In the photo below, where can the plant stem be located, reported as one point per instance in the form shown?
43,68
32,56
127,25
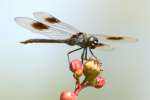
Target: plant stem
79,87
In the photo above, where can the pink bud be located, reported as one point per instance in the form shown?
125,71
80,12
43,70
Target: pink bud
67,95
76,65
100,82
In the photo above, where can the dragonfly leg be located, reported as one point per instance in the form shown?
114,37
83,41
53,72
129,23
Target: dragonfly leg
82,55
86,53
92,53
72,52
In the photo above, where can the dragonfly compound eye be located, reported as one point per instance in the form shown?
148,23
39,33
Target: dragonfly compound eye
92,42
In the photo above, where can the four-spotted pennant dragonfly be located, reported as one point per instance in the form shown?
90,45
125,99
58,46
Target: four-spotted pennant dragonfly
60,32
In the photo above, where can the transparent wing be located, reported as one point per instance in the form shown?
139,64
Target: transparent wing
52,21
115,38
105,47
39,27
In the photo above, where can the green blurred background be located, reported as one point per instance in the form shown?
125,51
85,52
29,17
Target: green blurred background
40,71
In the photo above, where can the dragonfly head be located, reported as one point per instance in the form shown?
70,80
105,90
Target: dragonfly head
92,42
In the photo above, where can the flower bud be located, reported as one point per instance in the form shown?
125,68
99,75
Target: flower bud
78,73
76,65
99,82
92,69
67,95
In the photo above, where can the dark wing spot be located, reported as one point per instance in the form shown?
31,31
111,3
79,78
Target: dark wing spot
115,38
52,20
39,26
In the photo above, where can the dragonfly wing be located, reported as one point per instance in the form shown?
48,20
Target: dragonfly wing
105,47
115,38
52,21
39,27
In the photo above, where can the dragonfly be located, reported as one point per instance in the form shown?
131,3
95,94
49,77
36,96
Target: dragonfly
58,31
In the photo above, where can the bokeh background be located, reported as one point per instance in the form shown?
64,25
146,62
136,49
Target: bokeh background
40,71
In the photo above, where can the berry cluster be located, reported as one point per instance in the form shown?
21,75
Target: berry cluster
91,69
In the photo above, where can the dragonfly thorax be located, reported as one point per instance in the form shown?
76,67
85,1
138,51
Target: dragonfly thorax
79,39
83,40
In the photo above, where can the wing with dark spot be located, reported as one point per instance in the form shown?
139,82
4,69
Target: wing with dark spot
39,27
52,21
114,38
32,25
